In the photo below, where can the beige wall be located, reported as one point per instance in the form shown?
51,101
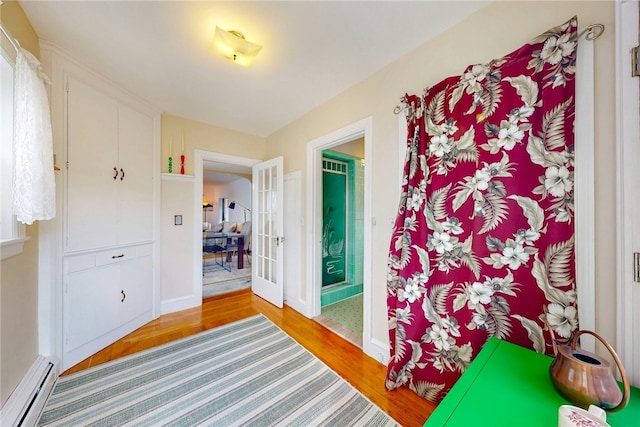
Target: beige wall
18,275
176,272
492,32
176,245
202,136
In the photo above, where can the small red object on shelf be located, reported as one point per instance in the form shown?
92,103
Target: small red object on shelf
182,164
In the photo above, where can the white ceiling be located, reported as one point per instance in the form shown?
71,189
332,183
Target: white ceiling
313,50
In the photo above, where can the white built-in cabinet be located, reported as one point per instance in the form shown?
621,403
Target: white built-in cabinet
104,291
109,171
107,142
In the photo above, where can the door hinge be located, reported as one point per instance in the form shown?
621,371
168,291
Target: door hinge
636,267
635,60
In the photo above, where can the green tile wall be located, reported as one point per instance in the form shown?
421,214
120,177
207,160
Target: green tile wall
338,293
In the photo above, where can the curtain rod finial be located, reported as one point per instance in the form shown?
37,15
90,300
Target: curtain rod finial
593,31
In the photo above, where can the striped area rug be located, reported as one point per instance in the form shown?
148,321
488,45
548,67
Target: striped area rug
244,373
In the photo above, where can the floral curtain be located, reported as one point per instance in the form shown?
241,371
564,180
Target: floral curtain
483,244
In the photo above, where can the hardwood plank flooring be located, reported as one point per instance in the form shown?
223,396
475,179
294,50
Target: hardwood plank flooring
347,360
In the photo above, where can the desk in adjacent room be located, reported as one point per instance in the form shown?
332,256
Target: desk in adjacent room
228,239
508,385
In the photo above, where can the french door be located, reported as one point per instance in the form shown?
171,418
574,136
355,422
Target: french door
267,272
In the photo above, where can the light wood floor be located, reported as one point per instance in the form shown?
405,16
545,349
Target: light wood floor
361,371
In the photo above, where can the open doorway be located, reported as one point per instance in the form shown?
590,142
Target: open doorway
224,190
339,281
226,217
341,292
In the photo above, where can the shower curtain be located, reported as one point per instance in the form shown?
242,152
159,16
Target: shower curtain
483,244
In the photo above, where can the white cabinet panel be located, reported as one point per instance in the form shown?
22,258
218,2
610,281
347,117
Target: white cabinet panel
92,135
135,146
92,305
135,283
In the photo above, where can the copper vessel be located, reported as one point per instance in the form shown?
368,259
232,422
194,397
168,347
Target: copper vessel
584,378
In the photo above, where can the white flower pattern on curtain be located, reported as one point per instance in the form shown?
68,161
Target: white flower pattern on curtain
483,244
34,196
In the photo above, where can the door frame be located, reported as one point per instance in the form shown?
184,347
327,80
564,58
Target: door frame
627,138
360,129
199,157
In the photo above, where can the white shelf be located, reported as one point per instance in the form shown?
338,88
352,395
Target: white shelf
176,177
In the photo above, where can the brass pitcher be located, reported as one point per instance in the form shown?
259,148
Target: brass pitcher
584,378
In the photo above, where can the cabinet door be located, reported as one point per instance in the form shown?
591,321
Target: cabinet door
92,134
135,148
91,305
136,287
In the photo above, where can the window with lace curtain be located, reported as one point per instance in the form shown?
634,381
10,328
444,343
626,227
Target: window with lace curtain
12,234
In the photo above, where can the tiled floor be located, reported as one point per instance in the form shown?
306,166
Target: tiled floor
344,318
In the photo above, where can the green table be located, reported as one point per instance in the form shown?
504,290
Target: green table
508,385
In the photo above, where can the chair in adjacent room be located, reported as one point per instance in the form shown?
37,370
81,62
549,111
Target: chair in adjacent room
218,248
245,231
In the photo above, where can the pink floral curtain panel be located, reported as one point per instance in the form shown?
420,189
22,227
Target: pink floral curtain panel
483,244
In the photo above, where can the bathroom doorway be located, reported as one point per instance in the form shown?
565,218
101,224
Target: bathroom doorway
341,296
340,144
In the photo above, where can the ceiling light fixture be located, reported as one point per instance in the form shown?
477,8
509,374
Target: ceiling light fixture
233,45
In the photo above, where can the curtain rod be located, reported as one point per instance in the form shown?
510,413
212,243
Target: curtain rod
9,37
592,31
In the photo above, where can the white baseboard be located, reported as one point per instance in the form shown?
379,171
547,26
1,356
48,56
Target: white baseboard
177,304
378,350
300,306
24,406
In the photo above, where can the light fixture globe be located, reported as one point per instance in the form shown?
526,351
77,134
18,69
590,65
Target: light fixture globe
232,45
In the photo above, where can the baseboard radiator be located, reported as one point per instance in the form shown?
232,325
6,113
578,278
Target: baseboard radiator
24,406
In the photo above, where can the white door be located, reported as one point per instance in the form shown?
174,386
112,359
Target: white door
628,135
267,278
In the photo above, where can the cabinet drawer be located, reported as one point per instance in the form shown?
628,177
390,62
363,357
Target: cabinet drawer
116,255
87,261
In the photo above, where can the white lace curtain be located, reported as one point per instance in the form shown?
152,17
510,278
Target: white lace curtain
33,182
